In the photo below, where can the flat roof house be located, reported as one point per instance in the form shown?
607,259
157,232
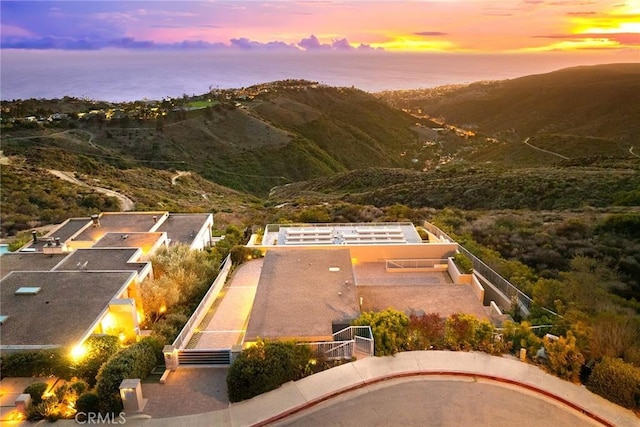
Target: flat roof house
317,278
82,277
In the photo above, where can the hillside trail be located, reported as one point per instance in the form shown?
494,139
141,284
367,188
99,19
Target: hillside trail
57,134
126,204
178,175
526,142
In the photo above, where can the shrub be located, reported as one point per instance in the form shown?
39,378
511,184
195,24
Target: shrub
564,357
47,409
36,390
266,366
616,381
44,363
136,361
520,335
464,264
426,332
460,331
88,403
99,349
240,254
390,330
168,328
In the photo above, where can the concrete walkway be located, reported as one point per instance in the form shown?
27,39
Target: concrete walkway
228,324
293,398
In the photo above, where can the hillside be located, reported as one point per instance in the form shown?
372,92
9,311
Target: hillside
467,186
580,102
283,132
51,200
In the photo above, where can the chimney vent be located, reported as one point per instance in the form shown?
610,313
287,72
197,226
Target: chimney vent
155,219
96,220
35,236
57,241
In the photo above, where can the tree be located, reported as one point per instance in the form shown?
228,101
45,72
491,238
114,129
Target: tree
390,330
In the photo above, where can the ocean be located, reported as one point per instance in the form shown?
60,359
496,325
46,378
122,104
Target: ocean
127,75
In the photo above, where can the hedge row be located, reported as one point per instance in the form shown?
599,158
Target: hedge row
43,363
136,361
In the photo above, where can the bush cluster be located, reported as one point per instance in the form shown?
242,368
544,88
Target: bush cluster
52,407
135,361
99,349
389,328
393,331
266,366
616,381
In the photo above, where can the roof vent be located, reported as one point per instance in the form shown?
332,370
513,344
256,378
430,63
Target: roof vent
28,290
95,218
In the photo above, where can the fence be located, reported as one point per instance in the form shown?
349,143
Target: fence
345,344
332,350
187,332
399,264
499,282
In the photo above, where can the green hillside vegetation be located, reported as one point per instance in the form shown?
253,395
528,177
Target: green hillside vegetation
289,131
467,186
599,101
51,200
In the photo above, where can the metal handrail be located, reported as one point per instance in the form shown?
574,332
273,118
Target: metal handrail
502,284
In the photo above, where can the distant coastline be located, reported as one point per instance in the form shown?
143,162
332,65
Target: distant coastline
121,75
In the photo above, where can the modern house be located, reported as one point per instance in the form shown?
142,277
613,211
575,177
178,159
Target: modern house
83,277
315,279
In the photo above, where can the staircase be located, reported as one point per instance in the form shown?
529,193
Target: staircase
189,357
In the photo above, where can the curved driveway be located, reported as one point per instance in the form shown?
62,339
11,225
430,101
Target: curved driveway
439,402
528,382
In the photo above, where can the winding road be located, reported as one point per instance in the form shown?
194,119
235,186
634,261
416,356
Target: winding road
526,141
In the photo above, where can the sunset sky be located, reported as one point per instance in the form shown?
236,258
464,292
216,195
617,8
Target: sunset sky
475,26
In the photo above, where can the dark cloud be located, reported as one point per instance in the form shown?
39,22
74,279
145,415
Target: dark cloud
430,33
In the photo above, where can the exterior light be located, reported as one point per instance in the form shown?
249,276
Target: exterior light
163,309
78,352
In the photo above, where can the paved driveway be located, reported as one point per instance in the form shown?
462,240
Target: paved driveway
188,391
446,402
